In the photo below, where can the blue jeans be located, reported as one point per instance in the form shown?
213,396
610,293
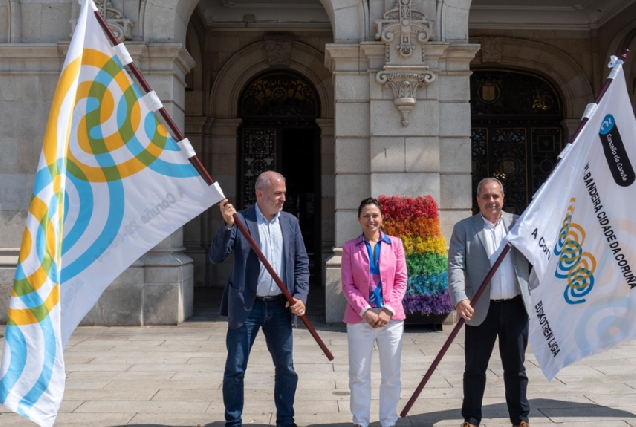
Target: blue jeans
275,320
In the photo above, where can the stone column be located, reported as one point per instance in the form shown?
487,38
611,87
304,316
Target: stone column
15,21
222,149
327,187
158,288
453,88
351,151
168,275
569,128
196,232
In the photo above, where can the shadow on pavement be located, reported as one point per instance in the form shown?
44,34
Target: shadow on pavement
547,407
499,410
214,424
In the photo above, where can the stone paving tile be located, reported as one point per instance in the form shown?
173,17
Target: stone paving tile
188,376
186,420
85,384
157,384
127,394
97,367
139,376
168,367
172,376
114,406
127,358
600,413
200,395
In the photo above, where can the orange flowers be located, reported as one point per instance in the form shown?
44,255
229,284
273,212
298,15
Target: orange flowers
423,227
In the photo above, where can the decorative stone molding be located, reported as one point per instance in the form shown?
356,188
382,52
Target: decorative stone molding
405,24
342,57
404,82
279,48
490,49
232,78
118,23
542,58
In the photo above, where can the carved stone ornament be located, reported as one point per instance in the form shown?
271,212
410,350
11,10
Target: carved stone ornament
279,48
490,49
405,24
404,81
118,23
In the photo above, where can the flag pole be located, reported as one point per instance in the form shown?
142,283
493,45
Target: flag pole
453,333
493,269
194,160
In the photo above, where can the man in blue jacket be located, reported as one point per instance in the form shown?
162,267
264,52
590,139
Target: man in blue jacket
252,300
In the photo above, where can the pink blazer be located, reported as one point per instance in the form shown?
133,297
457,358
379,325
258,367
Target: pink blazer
356,277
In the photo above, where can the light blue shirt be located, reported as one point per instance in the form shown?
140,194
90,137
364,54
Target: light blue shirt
271,244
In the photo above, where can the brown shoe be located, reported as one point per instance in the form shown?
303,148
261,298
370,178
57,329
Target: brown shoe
521,424
467,424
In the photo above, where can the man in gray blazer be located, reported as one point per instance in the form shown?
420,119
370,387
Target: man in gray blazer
252,300
502,310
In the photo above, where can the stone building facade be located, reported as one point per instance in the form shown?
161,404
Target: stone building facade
347,98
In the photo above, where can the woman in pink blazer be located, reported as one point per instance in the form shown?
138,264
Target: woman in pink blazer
374,282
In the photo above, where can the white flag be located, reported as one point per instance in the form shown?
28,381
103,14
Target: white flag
579,233
111,184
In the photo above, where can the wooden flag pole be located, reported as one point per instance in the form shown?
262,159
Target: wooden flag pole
491,273
194,160
281,285
453,333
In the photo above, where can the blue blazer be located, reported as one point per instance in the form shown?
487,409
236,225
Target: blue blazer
240,290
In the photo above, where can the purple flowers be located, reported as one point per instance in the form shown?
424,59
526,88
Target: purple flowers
428,303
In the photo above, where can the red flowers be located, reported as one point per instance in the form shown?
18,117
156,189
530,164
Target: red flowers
397,208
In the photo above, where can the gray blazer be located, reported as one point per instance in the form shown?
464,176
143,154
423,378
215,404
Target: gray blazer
240,290
468,265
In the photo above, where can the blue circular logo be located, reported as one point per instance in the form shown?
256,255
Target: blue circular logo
607,124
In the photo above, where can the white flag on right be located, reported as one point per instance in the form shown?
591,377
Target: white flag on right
579,233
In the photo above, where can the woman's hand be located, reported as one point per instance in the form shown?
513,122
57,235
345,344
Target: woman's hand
383,318
371,318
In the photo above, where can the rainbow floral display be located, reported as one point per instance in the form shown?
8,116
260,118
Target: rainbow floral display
416,222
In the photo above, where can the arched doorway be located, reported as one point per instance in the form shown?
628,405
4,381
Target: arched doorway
516,132
279,109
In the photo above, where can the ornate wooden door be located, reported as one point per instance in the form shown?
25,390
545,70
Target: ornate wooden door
516,133
279,132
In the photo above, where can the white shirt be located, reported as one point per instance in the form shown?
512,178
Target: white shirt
271,244
504,284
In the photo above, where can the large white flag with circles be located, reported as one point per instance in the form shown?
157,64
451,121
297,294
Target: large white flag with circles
579,233
110,185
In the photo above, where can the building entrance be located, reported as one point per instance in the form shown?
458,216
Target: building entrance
279,132
516,133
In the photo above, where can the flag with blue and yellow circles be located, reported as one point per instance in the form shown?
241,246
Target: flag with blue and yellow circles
111,184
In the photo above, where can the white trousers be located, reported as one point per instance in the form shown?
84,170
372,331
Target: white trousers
361,338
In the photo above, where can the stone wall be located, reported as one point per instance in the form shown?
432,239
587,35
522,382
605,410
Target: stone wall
157,289
402,119
617,34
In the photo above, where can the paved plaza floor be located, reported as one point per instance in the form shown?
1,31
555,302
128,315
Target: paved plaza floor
171,376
